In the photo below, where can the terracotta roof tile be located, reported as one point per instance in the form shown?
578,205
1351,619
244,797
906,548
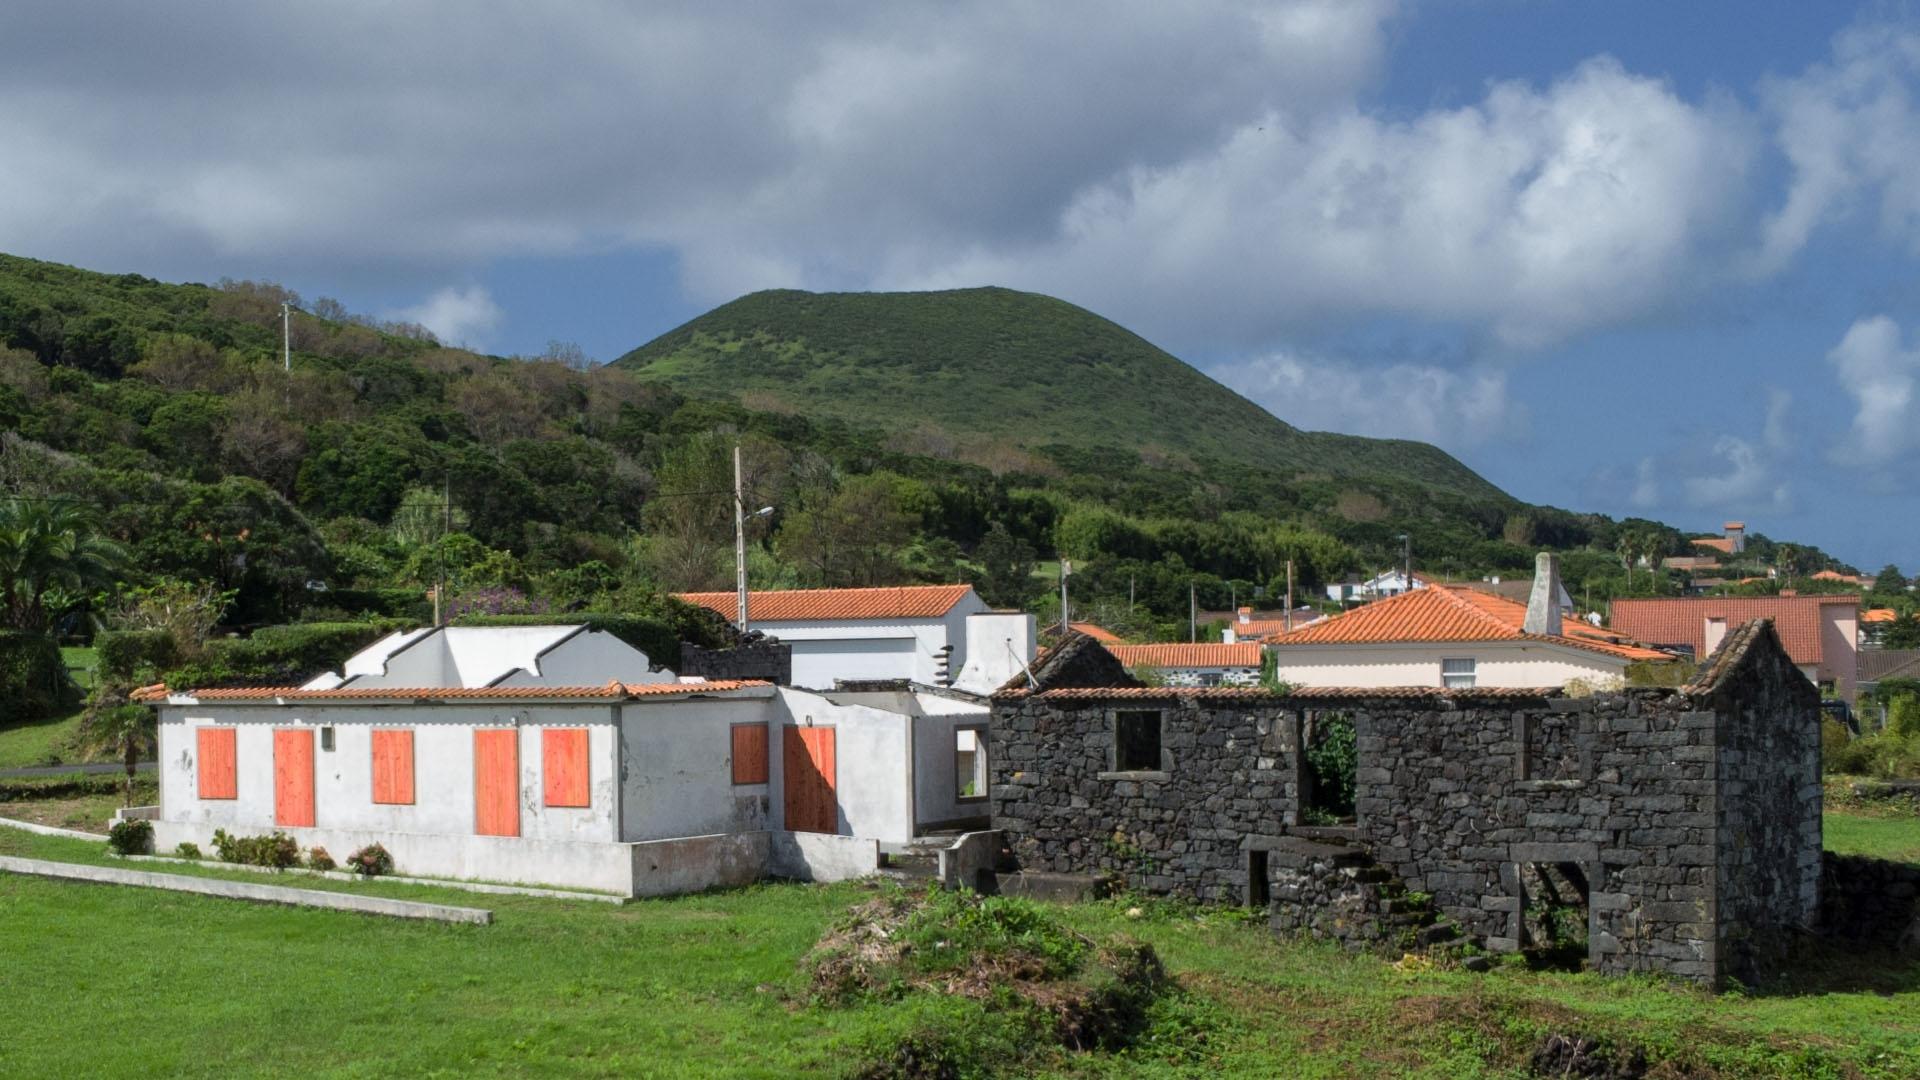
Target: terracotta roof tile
1098,633
612,691
1717,543
806,605
1443,614
1205,654
1682,621
1879,615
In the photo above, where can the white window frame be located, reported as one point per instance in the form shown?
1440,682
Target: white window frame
1452,675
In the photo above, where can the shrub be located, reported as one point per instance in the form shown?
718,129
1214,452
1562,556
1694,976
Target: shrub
187,850
370,861
318,859
276,850
121,656
1332,759
131,837
277,654
33,678
1903,716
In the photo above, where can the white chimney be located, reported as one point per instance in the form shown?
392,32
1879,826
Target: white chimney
1000,644
1543,603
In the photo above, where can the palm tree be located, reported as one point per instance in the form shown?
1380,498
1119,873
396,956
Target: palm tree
50,547
126,729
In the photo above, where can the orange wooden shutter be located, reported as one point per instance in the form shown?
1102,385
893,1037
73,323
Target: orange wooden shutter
293,777
749,753
807,770
496,782
563,766
393,767
218,776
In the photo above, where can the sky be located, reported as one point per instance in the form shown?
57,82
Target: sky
1642,258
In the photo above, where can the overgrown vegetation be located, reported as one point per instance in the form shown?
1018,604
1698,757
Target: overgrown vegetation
277,850
131,837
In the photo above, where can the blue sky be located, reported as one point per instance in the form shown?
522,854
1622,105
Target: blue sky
1640,258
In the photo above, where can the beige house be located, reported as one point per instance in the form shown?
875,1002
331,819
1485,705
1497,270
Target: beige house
1457,638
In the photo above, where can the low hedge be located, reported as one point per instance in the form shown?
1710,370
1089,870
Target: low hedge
659,636
33,678
129,657
282,654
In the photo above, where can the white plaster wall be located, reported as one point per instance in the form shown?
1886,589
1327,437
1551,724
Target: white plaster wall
936,783
872,771
592,658
677,768
912,648
343,777
1504,664
1840,647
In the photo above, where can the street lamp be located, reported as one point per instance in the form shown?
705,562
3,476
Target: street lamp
740,517
1406,562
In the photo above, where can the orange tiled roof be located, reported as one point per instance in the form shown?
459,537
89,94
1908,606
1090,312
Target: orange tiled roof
1879,615
1259,628
1717,543
807,605
1682,621
1443,614
1097,633
608,692
1204,654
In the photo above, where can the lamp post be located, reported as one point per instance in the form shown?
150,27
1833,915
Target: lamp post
1406,562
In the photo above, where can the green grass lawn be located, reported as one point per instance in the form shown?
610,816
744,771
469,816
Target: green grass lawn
51,741
113,981
1888,834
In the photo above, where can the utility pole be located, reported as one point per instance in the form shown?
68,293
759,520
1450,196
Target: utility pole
286,335
739,538
440,564
1289,615
1406,560
1066,569
1193,615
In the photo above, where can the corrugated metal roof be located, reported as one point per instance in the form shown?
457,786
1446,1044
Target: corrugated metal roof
808,605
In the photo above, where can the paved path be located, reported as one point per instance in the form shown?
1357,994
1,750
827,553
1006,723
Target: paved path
68,770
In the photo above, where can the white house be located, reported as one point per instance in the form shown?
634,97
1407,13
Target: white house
934,635
1203,664
1391,583
1439,635
563,756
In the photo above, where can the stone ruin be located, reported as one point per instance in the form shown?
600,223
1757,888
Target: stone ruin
1663,830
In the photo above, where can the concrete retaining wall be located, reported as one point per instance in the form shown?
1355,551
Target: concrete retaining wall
247,890
695,863
819,857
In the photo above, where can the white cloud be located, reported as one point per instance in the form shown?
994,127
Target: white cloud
1749,479
1881,375
1537,213
1850,130
1646,484
1402,401
1777,435
457,316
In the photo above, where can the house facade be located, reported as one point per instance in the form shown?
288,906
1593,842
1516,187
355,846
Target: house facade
486,753
1447,637
1821,633
1391,583
926,634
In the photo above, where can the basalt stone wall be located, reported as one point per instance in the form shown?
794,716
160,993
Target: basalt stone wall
1869,900
766,659
1227,773
1690,818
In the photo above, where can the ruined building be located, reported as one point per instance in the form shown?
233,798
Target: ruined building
1668,830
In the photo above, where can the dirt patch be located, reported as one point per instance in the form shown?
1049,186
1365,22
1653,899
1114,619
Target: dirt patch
88,813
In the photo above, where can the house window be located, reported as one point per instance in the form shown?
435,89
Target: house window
969,763
326,738
1210,678
563,766
218,777
749,753
393,767
1136,741
1457,674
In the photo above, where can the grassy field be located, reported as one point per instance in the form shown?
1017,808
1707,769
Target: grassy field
709,986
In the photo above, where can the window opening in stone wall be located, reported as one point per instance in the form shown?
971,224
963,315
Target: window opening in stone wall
1259,891
1553,914
1136,742
1332,760
969,763
1457,673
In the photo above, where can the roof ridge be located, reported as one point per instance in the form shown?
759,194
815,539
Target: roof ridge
1487,617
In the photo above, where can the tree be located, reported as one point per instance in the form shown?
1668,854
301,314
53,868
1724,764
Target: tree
1890,581
1006,569
852,541
51,555
1902,633
129,730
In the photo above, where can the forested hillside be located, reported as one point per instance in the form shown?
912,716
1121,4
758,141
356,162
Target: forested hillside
383,461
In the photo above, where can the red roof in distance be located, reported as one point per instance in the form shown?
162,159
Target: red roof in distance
809,605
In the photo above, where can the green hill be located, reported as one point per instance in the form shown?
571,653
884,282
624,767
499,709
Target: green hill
1009,366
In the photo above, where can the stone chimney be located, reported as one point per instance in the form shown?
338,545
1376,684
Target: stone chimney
1736,531
1543,603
